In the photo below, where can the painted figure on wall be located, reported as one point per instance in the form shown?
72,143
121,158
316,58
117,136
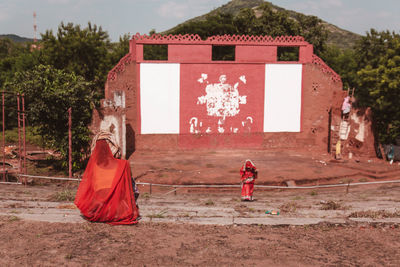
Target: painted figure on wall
248,175
222,101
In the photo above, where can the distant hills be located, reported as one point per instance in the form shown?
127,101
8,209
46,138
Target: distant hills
16,38
337,36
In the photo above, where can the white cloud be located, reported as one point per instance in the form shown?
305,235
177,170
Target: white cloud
5,12
315,6
180,9
63,2
384,15
173,9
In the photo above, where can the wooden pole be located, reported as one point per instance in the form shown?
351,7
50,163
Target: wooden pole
24,133
19,135
70,142
4,141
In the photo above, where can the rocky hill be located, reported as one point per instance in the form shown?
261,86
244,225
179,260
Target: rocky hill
16,38
337,36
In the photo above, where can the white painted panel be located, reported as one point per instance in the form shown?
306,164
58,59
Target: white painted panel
282,102
159,98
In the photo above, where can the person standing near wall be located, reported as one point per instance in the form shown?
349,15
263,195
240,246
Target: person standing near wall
248,174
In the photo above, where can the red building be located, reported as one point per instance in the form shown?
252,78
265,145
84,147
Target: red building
195,96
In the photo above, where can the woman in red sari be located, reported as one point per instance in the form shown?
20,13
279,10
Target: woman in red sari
248,174
105,193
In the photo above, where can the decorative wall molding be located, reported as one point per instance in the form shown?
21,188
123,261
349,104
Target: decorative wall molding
326,69
120,67
218,39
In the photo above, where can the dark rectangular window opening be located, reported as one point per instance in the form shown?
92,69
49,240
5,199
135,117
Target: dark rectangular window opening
155,52
288,53
223,52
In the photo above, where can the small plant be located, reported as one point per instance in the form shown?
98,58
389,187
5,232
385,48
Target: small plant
289,207
297,198
159,214
331,205
209,202
13,218
375,214
252,210
313,193
65,195
210,165
146,195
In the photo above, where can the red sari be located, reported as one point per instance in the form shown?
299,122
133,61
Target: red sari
105,193
248,174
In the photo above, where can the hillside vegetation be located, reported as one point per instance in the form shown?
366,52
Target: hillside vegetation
336,36
16,38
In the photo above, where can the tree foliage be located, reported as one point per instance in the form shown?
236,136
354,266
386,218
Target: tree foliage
378,80
72,65
264,21
80,51
49,93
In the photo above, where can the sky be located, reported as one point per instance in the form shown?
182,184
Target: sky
119,17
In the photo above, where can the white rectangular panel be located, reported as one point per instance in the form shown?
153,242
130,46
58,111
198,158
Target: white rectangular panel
159,98
282,102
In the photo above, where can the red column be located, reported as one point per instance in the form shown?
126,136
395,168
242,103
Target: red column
70,142
4,142
19,135
24,132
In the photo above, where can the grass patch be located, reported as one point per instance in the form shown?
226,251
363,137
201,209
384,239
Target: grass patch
159,215
331,205
375,214
13,218
289,207
11,136
65,195
146,195
313,193
69,256
297,198
209,203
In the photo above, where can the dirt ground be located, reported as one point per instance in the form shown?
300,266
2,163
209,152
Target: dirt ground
342,226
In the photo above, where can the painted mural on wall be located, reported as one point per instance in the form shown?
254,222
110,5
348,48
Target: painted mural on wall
223,101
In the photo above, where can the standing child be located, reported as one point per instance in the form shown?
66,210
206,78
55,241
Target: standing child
248,174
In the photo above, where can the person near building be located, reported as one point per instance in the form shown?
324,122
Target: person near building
248,175
346,107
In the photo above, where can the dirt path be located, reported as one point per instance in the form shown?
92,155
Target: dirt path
355,226
380,203
176,229
176,244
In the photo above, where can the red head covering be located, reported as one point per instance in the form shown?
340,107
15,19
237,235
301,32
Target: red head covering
249,164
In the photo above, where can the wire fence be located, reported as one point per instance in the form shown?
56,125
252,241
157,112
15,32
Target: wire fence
213,185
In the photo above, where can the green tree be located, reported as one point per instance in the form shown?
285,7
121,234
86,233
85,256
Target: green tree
218,24
118,50
49,93
342,62
15,57
80,51
265,20
378,80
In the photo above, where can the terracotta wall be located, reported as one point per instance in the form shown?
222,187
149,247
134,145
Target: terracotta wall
321,95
